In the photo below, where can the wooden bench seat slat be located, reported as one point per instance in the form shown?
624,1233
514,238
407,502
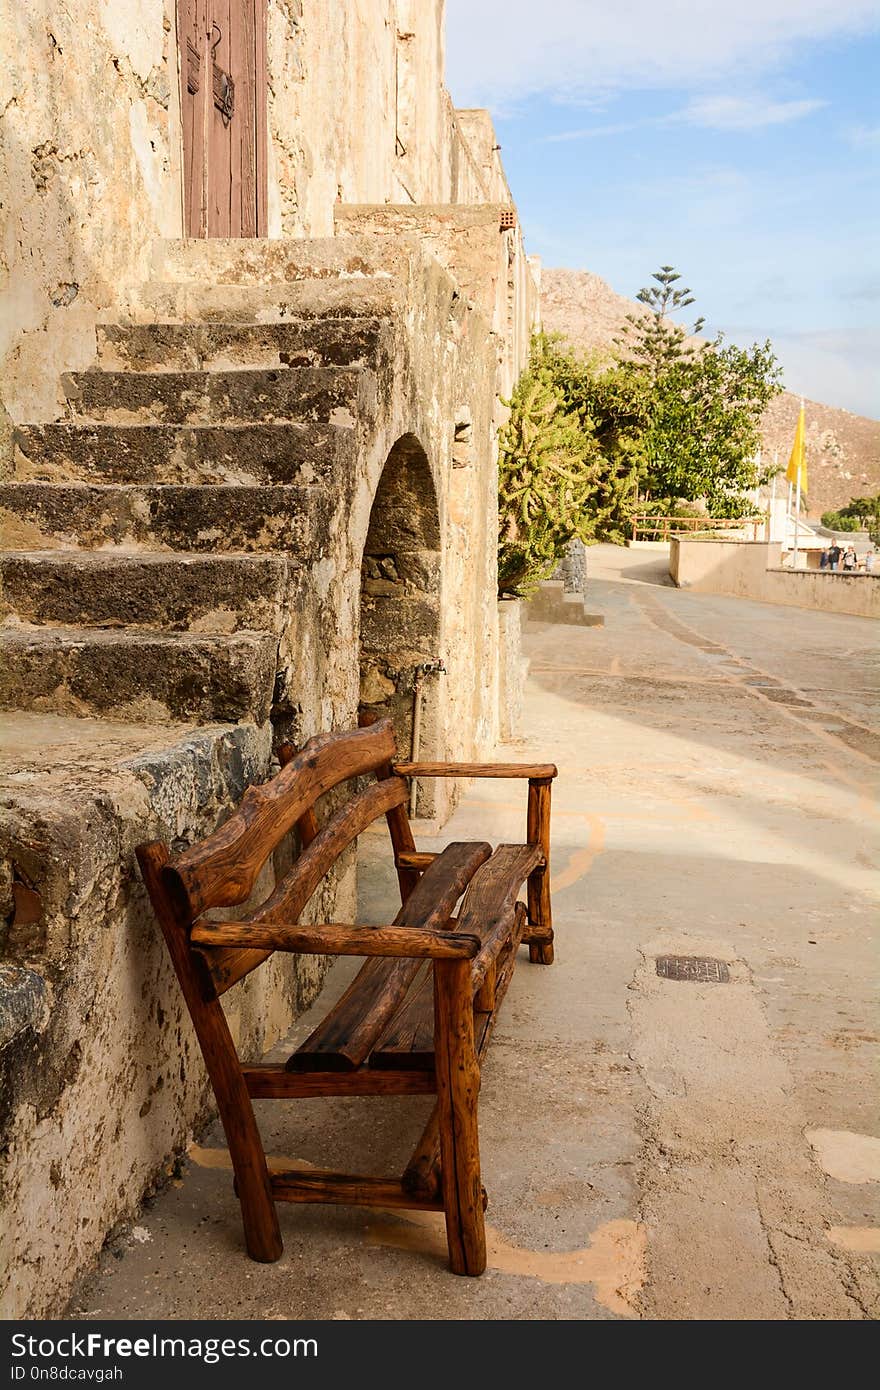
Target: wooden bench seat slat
486,913
344,1039
408,1041
491,897
221,870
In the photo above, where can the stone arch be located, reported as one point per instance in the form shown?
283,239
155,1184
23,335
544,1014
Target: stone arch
401,604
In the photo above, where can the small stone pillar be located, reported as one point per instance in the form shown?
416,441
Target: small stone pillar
572,568
513,668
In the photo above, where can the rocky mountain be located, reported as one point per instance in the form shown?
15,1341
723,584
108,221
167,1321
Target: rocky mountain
843,450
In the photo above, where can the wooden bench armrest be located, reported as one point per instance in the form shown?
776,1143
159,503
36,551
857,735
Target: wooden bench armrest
535,772
337,939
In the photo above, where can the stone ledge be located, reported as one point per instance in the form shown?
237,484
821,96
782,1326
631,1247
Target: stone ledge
76,796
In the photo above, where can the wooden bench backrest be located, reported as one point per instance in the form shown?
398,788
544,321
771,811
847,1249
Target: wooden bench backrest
221,870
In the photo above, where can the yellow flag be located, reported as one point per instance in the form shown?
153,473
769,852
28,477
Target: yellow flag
798,461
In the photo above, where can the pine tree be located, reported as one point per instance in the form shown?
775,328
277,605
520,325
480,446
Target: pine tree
654,340
706,402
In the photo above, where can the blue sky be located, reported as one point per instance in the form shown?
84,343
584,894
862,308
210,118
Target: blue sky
740,145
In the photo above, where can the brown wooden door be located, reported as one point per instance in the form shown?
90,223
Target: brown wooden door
223,101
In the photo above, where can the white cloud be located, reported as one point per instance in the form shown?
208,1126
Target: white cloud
720,112
593,132
864,137
745,113
500,51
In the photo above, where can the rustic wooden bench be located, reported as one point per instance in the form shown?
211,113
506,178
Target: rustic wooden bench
418,1016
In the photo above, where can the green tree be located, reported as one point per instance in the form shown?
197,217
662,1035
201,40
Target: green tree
655,340
706,403
612,408
859,514
839,521
666,422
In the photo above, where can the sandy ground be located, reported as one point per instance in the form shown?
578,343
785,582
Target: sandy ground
651,1148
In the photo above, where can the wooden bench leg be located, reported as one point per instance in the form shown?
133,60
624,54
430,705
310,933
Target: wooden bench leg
539,934
262,1233
458,1086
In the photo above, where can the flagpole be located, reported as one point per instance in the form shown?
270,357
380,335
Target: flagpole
797,509
787,512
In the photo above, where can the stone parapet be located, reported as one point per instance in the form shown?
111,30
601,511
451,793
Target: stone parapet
753,570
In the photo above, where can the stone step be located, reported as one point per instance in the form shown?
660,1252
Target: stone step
260,261
157,301
323,342
46,516
327,395
138,677
551,604
246,455
110,588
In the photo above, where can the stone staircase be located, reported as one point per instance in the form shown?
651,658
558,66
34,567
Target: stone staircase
158,540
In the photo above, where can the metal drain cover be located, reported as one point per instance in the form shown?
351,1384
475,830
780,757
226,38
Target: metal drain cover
703,970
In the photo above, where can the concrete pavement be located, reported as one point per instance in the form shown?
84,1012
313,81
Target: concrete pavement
651,1147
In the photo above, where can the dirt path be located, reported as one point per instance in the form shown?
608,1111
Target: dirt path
652,1147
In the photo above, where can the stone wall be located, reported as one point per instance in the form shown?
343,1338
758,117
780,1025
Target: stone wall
486,258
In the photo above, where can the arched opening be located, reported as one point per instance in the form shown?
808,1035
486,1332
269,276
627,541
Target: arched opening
400,607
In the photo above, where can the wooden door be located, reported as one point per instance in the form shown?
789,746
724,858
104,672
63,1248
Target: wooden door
223,103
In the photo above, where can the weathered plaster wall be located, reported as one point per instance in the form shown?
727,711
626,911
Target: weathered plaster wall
359,113
475,128
487,261
442,369
89,167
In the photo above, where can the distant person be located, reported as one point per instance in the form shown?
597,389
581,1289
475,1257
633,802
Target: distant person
869,562
850,560
823,559
834,555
